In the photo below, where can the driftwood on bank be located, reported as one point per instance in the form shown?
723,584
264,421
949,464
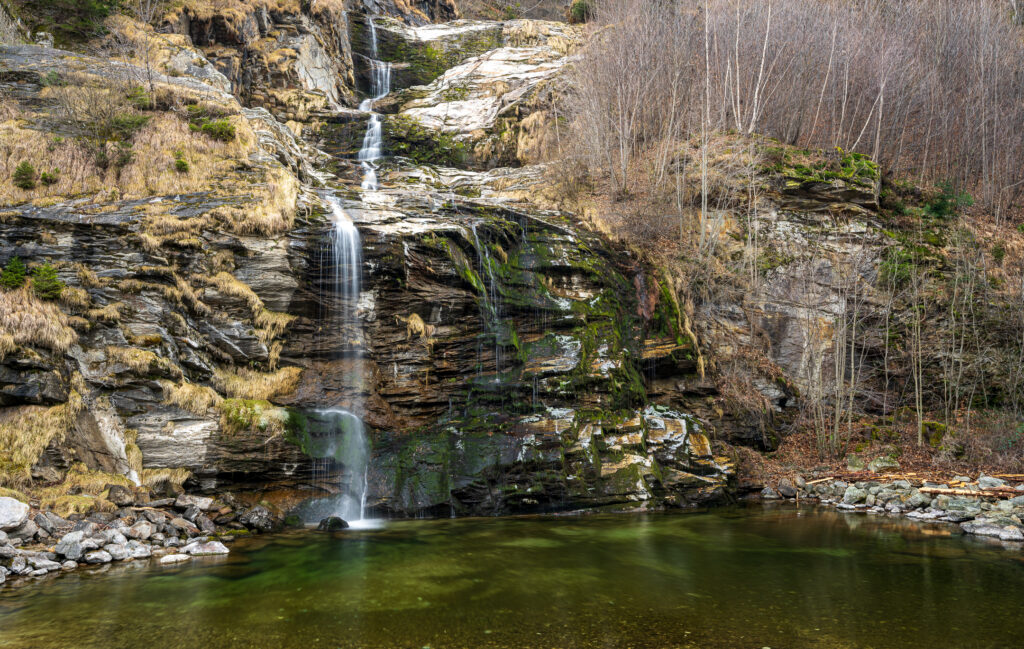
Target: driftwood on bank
989,493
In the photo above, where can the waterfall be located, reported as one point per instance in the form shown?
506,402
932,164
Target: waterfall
345,441
373,141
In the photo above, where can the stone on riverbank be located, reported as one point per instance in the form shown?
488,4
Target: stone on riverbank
97,556
207,548
13,513
173,558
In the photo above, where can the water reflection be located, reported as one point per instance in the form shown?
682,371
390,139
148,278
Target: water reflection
778,577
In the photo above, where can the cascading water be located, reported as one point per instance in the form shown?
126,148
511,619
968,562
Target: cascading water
345,441
373,141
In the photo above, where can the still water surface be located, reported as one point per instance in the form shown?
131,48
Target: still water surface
732,578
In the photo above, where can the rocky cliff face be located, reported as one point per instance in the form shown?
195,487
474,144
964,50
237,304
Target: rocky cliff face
503,357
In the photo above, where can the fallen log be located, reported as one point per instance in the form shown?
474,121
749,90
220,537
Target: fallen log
984,493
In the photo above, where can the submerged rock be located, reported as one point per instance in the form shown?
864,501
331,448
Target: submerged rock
174,558
332,524
207,548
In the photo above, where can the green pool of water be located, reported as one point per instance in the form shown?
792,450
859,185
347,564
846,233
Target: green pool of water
748,577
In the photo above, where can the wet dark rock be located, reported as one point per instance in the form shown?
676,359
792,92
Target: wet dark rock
204,524
787,488
258,518
184,526
191,513
332,524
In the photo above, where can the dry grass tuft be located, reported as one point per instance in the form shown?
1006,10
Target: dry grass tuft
13,493
25,432
229,285
153,477
30,321
197,399
7,345
245,383
132,451
88,279
142,362
108,313
271,213
75,297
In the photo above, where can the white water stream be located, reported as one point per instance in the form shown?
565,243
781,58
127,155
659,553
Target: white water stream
373,141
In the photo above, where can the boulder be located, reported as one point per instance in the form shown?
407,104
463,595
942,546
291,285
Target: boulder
854,495
120,495
69,565
7,551
184,501
13,513
191,513
117,551
113,536
787,488
139,550
98,556
19,565
258,518
882,464
70,545
88,527
208,548
141,530
173,558
39,562
184,526
332,524
854,462
26,531
204,524
988,482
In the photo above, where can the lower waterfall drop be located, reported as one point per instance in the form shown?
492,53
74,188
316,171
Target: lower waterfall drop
346,442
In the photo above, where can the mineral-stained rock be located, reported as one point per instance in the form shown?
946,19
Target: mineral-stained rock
258,518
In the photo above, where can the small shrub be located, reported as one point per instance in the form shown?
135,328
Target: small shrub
45,283
999,252
13,275
50,177
51,79
125,154
180,163
123,126
219,129
24,176
579,12
139,98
